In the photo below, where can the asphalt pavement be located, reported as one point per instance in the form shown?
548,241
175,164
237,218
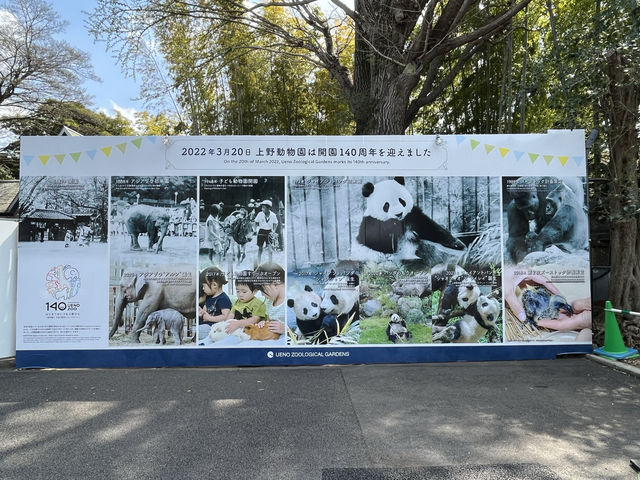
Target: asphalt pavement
568,418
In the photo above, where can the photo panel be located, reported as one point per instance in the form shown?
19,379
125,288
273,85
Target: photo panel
245,308
153,260
546,250
398,233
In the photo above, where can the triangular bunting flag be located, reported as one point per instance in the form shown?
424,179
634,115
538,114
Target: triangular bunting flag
122,147
60,157
27,158
563,160
547,158
152,139
488,148
504,151
137,142
106,151
578,160
44,158
517,154
92,153
474,144
533,157
75,156
460,139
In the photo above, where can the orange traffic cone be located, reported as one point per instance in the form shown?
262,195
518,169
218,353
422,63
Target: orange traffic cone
613,344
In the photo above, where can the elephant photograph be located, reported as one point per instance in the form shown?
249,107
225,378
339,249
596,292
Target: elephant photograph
157,299
152,219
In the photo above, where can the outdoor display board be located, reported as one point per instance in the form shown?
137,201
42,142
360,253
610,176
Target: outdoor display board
152,251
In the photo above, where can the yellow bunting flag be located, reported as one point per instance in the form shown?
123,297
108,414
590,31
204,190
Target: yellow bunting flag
137,142
75,156
44,158
548,158
122,147
488,148
563,160
60,157
106,151
474,144
533,157
504,151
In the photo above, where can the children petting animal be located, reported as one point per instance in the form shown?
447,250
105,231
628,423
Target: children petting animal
257,313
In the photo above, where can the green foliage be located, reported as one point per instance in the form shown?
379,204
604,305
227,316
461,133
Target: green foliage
383,274
387,302
225,78
52,115
160,124
48,119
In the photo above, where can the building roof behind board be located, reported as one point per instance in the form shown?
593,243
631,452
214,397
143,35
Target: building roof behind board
42,214
9,197
69,132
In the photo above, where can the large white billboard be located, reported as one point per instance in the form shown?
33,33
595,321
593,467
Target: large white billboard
149,251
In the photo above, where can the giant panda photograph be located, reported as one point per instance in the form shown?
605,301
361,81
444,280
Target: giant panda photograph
398,230
323,307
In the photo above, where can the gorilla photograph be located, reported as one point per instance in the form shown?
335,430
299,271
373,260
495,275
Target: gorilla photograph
546,250
545,220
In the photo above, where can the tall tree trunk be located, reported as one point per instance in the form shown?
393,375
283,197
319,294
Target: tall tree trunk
383,98
624,288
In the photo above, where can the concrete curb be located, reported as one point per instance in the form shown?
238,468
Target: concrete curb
616,365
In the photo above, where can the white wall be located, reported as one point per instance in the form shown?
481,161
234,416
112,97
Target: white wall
8,280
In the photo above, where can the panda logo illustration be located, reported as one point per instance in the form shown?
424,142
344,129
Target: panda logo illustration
392,224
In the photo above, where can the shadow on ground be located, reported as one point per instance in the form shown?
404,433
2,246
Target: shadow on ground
571,418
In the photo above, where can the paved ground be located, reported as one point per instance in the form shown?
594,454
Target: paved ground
561,419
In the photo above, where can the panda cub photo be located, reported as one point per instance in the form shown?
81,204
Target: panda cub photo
393,224
319,318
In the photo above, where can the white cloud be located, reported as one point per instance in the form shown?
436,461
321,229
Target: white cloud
128,113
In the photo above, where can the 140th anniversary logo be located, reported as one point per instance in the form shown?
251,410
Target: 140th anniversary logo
63,283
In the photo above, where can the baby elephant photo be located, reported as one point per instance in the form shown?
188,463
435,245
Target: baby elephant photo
162,320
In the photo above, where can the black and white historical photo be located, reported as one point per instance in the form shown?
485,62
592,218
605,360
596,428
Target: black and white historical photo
421,221
153,218
64,212
242,221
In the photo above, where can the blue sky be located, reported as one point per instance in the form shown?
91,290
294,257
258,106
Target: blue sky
115,91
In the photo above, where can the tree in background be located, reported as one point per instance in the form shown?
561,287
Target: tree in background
34,66
225,78
401,46
48,119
